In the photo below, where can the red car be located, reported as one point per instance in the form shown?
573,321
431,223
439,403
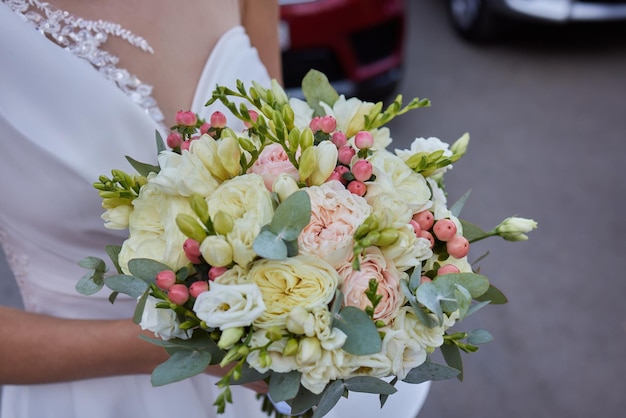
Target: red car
358,44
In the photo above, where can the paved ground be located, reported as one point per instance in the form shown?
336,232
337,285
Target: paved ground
546,111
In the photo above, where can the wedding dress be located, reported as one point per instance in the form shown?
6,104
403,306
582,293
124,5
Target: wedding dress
65,120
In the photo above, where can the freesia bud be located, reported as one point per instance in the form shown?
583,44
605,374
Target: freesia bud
363,140
291,348
514,228
229,155
288,115
284,186
460,145
178,294
279,93
189,226
326,153
230,337
198,287
218,119
199,206
306,139
186,118
264,359
362,170
296,320
222,222
387,237
274,334
254,115
216,251
165,279
308,161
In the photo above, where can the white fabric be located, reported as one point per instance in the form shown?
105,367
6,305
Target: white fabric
61,126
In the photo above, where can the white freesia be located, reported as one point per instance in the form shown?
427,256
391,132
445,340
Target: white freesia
349,114
514,228
428,145
117,217
284,186
216,251
408,250
279,362
163,322
326,156
228,306
404,352
427,337
330,366
207,150
183,175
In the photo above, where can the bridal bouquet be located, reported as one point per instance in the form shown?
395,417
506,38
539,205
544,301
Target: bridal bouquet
299,249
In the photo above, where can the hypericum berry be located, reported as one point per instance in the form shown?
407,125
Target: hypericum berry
218,120
447,269
178,294
316,124
362,170
165,279
427,235
357,187
204,128
328,124
174,140
416,227
186,118
458,246
191,248
339,139
341,170
187,144
254,115
345,154
425,279
444,229
198,287
363,140
425,218
215,272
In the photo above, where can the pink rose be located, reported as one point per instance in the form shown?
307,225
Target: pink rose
272,162
335,215
355,282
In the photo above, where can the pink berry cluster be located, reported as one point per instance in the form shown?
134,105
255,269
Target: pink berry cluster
350,172
442,234
179,292
190,127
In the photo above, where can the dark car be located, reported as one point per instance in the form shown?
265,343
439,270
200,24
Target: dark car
481,19
358,44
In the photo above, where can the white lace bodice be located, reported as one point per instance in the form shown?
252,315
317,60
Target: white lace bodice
85,39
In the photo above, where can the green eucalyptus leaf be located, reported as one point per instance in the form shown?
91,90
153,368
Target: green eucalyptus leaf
463,299
143,168
476,307
304,401
330,397
249,375
269,245
292,248
362,334
291,216
479,336
146,269
492,295
456,208
476,284
93,263
159,142
128,285
181,365
430,371
430,296
284,386
90,283
472,232
114,251
452,356
316,88
424,318
141,305
369,384
113,297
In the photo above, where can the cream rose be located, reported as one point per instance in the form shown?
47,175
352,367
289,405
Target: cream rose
373,266
297,281
272,162
228,306
335,215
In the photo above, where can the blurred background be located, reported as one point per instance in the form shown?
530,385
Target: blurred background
545,105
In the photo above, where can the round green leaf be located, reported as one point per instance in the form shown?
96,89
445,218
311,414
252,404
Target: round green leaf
269,245
362,334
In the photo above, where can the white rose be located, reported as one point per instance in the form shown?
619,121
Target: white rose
228,306
391,210
163,322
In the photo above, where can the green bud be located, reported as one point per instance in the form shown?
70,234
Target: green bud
264,359
107,194
294,139
230,336
223,222
288,115
190,227
187,325
247,145
244,350
387,237
291,348
460,145
274,334
230,356
199,207
306,138
362,230
308,162
370,239
379,323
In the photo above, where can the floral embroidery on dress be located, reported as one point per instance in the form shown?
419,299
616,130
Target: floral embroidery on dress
84,38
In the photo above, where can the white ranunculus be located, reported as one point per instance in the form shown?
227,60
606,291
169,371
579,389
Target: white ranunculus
393,176
228,306
153,232
163,322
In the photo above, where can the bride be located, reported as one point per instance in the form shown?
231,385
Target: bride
103,77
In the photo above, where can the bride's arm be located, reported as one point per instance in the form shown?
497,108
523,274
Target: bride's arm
260,18
43,349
